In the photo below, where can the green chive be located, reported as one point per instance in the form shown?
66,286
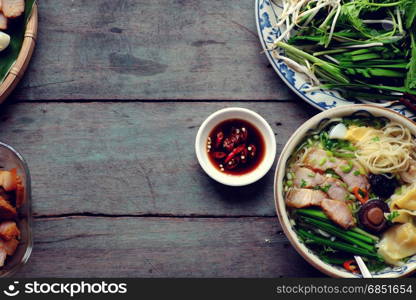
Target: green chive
345,168
303,183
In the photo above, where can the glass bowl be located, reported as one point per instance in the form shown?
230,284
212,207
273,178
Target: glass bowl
9,159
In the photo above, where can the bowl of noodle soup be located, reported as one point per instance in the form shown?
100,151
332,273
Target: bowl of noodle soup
345,186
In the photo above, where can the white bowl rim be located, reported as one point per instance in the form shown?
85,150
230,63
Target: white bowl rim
245,179
280,206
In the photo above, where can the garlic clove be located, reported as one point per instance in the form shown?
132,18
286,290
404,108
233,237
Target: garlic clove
4,40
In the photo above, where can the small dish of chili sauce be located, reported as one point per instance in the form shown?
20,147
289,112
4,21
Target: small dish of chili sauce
235,147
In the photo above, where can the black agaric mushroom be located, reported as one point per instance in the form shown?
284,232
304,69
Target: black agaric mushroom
371,215
383,185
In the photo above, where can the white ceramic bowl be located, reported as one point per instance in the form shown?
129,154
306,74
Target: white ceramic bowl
290,147
235,113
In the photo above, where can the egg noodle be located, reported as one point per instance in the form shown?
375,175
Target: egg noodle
386,150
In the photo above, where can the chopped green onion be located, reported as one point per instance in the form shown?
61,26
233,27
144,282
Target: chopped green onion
303,183
345,168
344,155
322,161
326,188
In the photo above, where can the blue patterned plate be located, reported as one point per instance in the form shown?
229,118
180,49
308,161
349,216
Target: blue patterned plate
267,14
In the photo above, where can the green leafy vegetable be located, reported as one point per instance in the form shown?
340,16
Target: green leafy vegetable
410,82
364,48
410,9
339,233
331,260
355,231
377,123
309,238
326,188
394,214
303,183
16,31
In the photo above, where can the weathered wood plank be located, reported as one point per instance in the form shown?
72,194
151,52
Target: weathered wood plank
163,247
140,49
133,158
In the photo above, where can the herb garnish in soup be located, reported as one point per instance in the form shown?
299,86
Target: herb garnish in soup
350,189
235,147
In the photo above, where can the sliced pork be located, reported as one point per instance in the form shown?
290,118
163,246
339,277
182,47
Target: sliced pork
3,256
12,194
9,246
319,159
299,198
9,230
335,189
3,22
13,8
8,180
353,178
338,212
7,211
305,177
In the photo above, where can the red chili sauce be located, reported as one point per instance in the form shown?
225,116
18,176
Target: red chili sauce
235,147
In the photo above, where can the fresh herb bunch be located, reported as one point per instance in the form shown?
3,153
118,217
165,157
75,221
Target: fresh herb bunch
334,244
364,48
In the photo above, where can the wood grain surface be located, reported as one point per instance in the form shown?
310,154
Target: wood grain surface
163,247
117,192
149,50
133,158
106,117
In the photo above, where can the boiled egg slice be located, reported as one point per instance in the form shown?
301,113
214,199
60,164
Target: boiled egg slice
339,131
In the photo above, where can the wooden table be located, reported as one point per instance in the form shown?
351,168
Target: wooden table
106,117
